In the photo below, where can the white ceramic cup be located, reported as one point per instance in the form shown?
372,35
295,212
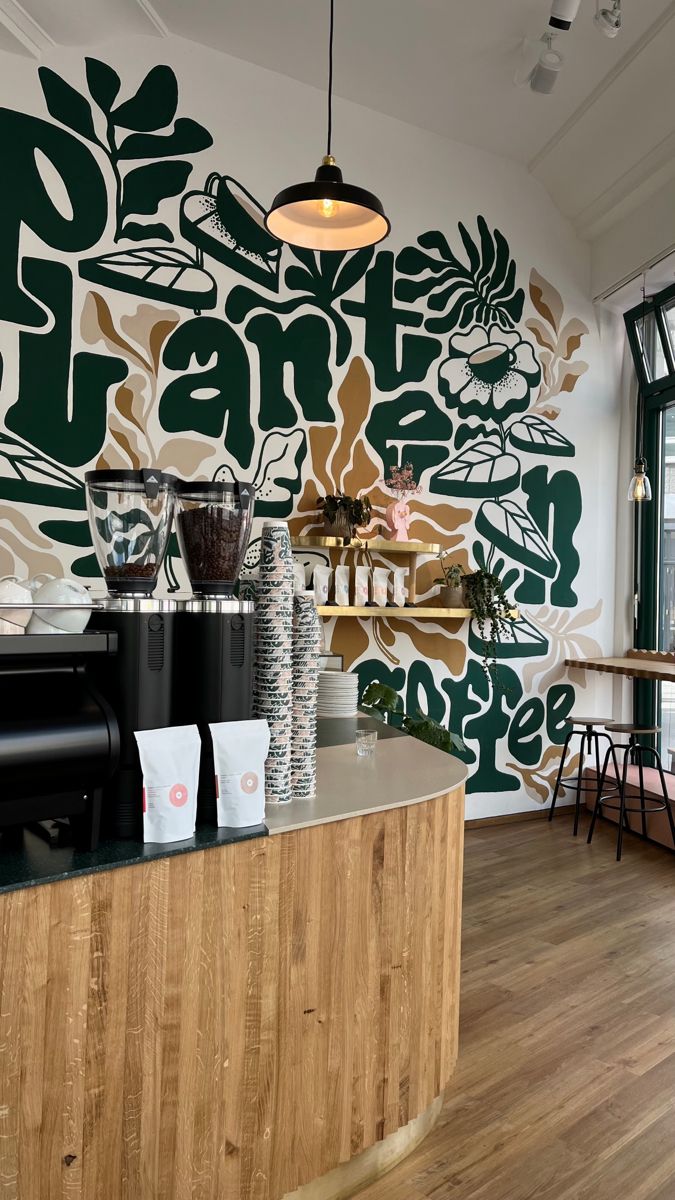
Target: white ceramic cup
64,619
13,592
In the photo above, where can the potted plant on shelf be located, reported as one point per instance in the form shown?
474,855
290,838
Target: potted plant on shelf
452,594
485,595
384,703
343,514
403,484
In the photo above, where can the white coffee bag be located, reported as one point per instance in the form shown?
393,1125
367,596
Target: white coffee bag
399,591
299,580
239,752
322,580
380,583
170,764
361,586
342,586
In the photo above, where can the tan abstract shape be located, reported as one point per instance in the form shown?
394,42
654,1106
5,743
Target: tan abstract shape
562,629
184,456
126,400
363,473
124,441
571,338
321,439
546,299
354,401
542,333
436,644
350,638
540,781
569,378
96,324
149,327
23,546
158,335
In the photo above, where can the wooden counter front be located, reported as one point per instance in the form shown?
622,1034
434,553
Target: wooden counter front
232,1023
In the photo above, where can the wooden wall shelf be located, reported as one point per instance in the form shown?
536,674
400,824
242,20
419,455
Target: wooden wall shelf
411,614
381,545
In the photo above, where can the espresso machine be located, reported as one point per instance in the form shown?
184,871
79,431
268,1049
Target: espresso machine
214,630
130,515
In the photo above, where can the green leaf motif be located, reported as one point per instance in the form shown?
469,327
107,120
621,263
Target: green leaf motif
482,290
186,137
508,527
103,83
144,188
66,105
153,106
520,639
135,232
482,471
535,434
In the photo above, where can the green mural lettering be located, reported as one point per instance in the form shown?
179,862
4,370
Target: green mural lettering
555,505
524,740
215,399
74,436
411,428
422,695
559,704
489,729
305,344
382,321
26,200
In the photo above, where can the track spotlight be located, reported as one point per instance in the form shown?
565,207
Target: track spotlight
545,74
563,13
608,19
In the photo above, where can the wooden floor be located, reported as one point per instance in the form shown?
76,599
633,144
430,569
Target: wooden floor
565,1086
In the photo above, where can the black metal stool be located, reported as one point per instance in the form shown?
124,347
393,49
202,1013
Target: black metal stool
634,752
590,738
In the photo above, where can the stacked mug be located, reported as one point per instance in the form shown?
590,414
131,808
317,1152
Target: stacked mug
307,650
273,682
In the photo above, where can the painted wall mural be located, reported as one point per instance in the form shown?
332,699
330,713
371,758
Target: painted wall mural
160,323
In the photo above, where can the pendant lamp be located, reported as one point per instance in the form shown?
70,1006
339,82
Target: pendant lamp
327,214
639,488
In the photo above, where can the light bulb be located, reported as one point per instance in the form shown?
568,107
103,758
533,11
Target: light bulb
328,208
640,488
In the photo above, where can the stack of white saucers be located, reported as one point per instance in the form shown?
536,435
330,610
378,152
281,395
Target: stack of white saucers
338,694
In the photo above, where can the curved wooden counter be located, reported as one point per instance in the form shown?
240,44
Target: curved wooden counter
233,1023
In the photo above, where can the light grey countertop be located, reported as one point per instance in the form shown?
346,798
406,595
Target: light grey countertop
402,771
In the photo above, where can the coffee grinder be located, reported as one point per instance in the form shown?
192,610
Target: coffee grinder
215,631
130,515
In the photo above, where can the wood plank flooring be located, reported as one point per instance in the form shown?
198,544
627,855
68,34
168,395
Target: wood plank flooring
565,1085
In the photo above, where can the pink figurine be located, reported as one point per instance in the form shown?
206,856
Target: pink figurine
398,516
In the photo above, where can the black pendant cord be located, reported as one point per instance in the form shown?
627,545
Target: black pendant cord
330,78
641,412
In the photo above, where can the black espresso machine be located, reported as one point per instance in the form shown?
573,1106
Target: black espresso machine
59,738
178,662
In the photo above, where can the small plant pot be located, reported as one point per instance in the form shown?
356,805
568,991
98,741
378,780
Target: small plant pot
339,529
453,597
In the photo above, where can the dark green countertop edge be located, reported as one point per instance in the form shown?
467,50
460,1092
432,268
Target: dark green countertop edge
27,860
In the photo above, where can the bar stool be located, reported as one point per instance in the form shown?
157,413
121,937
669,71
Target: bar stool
634,751
590,738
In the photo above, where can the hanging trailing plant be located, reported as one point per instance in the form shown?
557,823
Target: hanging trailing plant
485,594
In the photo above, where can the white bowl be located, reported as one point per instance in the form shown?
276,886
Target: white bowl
64,592
13,592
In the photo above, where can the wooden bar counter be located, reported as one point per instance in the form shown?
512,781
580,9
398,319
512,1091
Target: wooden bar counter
234,1023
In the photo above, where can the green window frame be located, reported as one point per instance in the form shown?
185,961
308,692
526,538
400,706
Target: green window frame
652,343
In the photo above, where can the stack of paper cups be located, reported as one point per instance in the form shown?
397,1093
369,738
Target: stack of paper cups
307,650
273,683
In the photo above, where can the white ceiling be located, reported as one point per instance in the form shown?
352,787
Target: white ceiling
598,144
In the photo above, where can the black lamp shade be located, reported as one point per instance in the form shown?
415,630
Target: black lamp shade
327,214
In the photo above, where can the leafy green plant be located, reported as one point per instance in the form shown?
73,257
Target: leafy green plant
485,594
345,511
451,573
482,290
139,191
384,703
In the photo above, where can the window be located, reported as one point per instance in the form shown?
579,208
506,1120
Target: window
651,335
